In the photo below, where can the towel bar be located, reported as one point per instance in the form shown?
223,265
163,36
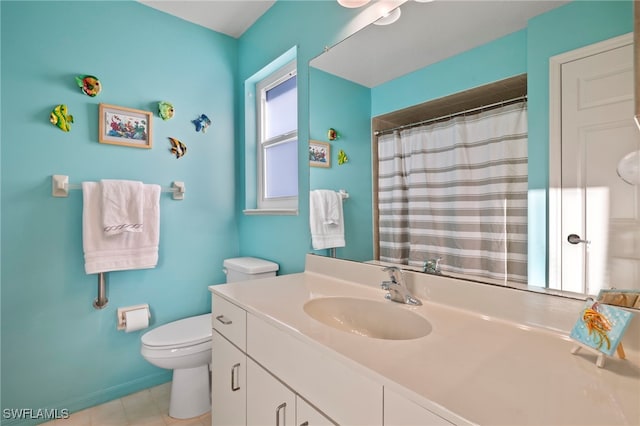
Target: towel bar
101,301
60,187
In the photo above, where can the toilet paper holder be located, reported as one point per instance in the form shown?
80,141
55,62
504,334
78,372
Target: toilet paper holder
121,313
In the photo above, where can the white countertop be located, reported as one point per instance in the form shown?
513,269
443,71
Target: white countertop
486,369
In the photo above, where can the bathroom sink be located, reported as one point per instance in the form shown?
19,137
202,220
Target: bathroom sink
380,320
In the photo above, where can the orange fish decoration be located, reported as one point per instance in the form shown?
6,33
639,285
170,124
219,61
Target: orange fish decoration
89,84
597,324
177,148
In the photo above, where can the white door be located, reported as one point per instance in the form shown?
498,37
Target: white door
599,210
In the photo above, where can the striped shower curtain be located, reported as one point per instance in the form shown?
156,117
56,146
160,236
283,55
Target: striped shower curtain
457,190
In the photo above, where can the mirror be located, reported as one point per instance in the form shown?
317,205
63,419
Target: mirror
447,48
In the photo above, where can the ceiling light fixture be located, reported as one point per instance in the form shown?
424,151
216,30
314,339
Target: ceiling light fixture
389,18
352,4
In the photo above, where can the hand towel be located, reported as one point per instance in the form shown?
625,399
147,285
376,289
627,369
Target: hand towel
128,250
326,219
122,204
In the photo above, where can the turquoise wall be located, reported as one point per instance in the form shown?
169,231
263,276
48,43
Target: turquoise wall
345,106
57,350
309,25
491,62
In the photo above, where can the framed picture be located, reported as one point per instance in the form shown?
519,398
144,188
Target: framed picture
319,154
124,126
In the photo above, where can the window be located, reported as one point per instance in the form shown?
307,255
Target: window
277,140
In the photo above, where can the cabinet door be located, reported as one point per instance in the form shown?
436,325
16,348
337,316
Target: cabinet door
228,383
269,402
399,411
306,415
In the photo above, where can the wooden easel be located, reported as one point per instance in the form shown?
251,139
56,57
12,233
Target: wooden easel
601,356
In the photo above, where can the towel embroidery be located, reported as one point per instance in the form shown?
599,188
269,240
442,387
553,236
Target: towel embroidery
124,227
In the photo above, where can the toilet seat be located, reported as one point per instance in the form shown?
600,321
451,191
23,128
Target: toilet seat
182,333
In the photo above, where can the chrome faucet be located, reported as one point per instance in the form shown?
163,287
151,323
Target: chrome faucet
432,266
396,288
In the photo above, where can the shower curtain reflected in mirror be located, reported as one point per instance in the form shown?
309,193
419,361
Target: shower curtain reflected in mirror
457,190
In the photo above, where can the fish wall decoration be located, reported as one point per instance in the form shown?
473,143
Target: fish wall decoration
60,117
342,157
202,123
89,84
177,148
165,110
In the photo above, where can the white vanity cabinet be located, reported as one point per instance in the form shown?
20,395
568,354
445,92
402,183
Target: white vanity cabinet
263,375
306,415
242,392
228,383
399,411
228,363
338,389
269,402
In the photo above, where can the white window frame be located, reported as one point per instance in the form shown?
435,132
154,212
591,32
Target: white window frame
280,204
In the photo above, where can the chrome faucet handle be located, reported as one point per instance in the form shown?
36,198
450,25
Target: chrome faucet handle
396,289
395,274
432,266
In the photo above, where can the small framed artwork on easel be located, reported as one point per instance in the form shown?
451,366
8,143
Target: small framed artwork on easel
600,327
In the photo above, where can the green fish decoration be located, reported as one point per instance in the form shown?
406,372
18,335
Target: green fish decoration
60,117
165,110
342,158
89,84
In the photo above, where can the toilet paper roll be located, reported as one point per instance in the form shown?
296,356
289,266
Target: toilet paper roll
136,319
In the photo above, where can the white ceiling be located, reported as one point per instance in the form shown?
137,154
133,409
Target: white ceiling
231,17
426,33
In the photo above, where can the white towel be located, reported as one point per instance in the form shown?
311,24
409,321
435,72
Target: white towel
326,219
122,204
129,250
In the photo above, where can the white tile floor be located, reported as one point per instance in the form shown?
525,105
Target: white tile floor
149,407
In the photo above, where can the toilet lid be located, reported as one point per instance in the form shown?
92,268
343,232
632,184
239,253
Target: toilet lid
187,331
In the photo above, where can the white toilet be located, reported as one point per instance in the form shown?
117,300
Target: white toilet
184,346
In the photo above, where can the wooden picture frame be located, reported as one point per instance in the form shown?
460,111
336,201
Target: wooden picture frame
319,154
124,126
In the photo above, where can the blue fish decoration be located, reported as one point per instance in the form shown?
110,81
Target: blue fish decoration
202,123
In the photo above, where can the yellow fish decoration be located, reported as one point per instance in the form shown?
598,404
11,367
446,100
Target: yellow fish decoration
177,147
342,158
60,117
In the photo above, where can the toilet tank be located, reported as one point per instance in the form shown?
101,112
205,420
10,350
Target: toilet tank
248,268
